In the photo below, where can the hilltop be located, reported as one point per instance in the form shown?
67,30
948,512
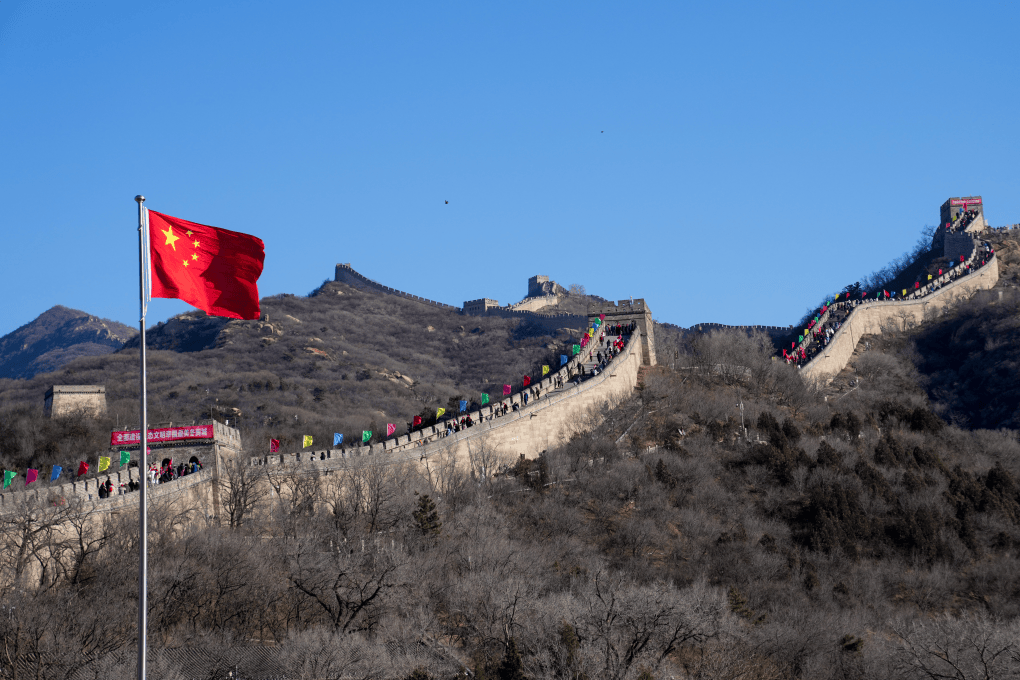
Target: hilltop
57,337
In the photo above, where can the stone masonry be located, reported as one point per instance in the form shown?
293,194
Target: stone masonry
624,312
62,400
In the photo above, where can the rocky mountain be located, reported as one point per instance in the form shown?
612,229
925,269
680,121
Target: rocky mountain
56,337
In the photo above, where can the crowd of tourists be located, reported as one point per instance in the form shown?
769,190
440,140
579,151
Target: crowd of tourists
962,221
168,472
823,327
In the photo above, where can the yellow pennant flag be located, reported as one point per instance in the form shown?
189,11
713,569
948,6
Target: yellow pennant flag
440,412
904,291
545,370
929,277
104,463
307,441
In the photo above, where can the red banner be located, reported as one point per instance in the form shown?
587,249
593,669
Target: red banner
165,434
965,201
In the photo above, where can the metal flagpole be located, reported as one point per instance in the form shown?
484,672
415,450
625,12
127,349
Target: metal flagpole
143,468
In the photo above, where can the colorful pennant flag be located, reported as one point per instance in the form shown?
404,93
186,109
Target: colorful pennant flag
602,317
485,398
55,475
83,468
274,446
365,436
563,359
506,390
440,412
575,349
9,476
307,441
917,284
463,405
125,458
527,380
390,429
416,421
30,476
545,370
800,338
338,439
104,463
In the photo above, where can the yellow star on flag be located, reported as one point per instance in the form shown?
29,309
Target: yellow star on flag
188,232
171,238
194,256
185,263
196,244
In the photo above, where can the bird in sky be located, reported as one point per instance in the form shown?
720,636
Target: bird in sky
447,203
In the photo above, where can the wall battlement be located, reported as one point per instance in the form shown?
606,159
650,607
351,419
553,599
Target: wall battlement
346,274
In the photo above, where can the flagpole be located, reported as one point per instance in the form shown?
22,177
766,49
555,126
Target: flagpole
143,529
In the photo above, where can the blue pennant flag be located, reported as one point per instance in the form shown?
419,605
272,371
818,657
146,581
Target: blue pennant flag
338,439
56,472
563,359
463,405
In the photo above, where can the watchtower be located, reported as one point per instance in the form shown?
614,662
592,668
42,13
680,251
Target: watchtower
955,209
624,312
62,400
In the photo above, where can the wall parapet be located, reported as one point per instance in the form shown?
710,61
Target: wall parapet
346,274
868,318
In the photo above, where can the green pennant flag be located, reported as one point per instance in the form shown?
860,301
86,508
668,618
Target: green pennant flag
9,476
125,458
366,435
485,398
800,338
575,349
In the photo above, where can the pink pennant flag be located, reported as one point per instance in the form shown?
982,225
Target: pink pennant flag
390,429
30,476
506,389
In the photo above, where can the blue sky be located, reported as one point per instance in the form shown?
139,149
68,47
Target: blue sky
730,162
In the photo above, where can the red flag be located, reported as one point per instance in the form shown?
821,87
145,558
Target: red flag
527,381
30,476
83,468
213,269
274,446
961,258
940,272
917,284
506,389
602,317
390,429
416,421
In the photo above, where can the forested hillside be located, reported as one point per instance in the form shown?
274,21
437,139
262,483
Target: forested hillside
851,535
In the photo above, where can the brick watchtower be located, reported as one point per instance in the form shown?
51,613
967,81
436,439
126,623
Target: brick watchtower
626,311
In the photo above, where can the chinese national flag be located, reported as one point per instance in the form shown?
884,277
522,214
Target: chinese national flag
210,268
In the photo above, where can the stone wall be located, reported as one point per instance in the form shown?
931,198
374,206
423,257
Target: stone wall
874,317
539,425
346,274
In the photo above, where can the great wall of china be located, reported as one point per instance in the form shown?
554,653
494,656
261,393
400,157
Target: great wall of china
534,425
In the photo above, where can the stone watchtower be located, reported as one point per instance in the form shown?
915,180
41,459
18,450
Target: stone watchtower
952,240
63,400
626,311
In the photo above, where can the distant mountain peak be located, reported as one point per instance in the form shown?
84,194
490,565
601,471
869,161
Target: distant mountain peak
57,336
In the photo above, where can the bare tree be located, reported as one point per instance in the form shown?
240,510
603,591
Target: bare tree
973,648
242,489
